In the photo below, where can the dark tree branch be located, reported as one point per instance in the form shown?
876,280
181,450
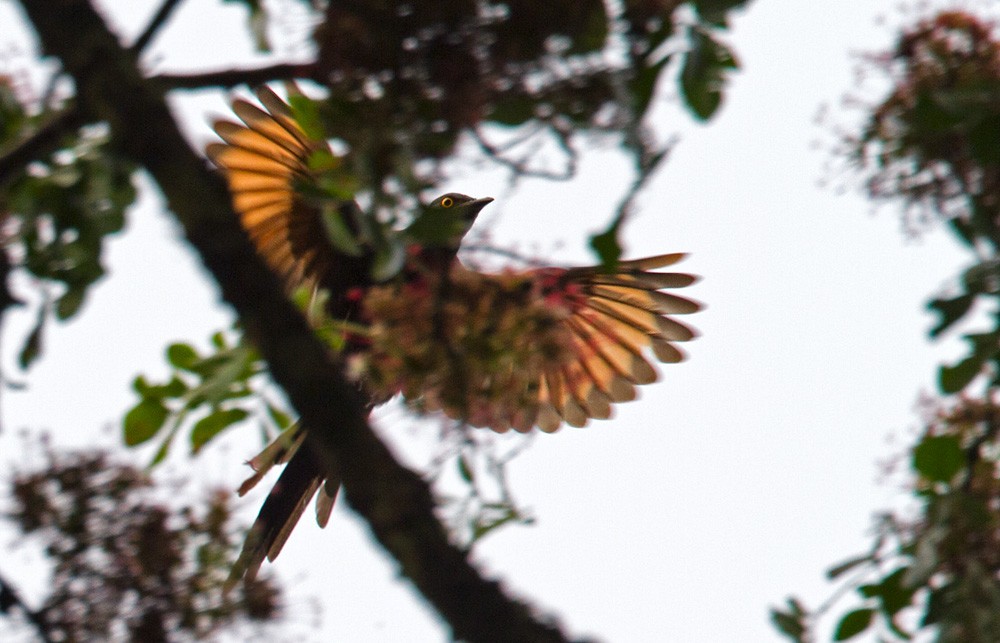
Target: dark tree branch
395,502
228,78
10,598
45,140
154,26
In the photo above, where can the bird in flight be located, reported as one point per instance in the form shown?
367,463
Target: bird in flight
516,349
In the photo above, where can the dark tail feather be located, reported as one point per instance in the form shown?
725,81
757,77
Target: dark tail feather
298,483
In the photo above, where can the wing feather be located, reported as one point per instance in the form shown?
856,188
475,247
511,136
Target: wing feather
264,159
619,322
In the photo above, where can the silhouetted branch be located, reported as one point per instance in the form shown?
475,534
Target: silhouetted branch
228,78
154,26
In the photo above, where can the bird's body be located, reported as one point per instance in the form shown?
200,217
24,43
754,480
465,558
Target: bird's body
507,350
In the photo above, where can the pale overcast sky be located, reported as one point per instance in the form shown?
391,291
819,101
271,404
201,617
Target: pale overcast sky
734,482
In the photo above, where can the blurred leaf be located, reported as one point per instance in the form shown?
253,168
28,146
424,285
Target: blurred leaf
853,623
70,302
716,12
643,85
481,527
464,470
390,259
182,356
212,424
951,311
791,623
281,419
703,73
338,230
607,246
307,115
892,594
33,344
952,379
939,458
144,420
257,22
846,566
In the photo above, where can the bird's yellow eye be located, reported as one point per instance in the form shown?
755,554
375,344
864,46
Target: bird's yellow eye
447,202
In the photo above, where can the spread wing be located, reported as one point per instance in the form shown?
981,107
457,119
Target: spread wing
619,322
524,349
265,159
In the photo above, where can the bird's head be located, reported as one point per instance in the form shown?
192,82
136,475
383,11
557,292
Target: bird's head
445,220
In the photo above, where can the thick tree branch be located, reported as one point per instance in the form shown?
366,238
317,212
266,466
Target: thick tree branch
395,501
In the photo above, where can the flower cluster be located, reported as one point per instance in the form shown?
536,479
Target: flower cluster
471,345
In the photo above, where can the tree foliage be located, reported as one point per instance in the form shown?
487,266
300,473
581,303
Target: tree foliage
932,143
126,566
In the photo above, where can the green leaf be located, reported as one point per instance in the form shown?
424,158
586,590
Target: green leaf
952,379
481,527
643,85
218,340
182,356
144,420
281,419
607,247
853,623
891,592
793,622
174,388
306,114
338,231
938,457
788,625
464,469
703,73
161,453
212,424
512,110
389,260
70,302
716,11
846,566
965,232
33,344
951,310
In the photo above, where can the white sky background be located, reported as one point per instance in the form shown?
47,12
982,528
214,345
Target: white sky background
733,483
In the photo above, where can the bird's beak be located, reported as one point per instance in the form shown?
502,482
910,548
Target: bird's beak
473,208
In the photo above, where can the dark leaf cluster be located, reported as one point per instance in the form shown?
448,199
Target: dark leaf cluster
405,80
56,214
125,566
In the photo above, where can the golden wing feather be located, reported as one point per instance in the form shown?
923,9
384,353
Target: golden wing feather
263,160
616,321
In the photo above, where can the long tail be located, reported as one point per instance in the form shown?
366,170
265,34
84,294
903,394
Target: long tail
303,475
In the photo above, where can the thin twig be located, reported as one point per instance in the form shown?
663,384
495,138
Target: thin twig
519,168
159,19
